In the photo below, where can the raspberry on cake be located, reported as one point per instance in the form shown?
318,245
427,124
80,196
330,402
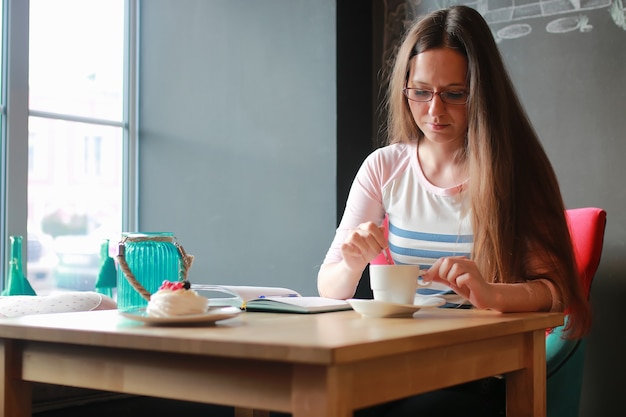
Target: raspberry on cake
176,299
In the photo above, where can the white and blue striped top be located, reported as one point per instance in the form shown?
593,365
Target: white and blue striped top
425,222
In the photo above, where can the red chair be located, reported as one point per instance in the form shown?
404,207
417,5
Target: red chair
565,358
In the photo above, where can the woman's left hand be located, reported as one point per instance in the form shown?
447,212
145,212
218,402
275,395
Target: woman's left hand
463,277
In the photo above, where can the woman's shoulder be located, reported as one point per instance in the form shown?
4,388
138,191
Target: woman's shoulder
387,162
392,154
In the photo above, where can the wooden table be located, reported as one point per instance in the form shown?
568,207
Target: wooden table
310,365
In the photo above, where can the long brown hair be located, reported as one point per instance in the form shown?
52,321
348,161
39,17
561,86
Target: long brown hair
518,212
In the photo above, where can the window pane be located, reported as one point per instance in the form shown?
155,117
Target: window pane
76,68
74,201
76,57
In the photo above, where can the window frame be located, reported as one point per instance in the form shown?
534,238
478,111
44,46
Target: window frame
14,115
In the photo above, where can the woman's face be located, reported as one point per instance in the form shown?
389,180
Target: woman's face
441,70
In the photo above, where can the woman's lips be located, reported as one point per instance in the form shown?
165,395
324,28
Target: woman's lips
437,126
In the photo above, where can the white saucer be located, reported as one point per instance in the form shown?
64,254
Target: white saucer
213,315
374,308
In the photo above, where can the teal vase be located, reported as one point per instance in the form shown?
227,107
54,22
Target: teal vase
146,260
16,282
107,276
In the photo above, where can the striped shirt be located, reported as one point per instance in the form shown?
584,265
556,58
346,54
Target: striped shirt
426,222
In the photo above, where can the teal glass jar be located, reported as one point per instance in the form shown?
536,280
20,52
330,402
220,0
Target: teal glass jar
145,261
16,282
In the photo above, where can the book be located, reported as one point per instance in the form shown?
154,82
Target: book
270,299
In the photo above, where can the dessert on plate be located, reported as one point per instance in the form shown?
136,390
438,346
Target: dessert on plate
176,299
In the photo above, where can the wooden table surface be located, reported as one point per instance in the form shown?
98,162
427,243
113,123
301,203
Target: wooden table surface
310,365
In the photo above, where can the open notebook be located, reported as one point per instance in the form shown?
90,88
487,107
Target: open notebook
271,299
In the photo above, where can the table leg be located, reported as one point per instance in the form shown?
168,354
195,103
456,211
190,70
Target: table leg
320,391
15,394
526,389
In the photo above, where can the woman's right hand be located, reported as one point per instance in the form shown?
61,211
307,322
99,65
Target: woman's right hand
362,245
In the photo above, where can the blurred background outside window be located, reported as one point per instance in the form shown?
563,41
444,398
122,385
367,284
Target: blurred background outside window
76,131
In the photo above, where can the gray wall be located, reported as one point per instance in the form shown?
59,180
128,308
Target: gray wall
237,136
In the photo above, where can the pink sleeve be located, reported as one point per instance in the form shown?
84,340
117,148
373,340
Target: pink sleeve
365,201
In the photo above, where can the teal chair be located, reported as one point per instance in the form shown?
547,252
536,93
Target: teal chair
565,358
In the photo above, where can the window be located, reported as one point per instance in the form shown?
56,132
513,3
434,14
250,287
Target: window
80,134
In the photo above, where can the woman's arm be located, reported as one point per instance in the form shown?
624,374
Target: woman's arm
336,280
462,276
340,279
359,239
527,296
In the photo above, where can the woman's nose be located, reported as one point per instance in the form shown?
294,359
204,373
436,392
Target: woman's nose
436,106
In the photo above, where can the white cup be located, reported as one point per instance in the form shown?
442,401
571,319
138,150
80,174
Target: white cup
394,283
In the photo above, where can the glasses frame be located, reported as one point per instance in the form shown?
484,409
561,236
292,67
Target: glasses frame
406,90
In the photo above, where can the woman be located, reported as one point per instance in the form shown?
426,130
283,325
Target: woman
464,182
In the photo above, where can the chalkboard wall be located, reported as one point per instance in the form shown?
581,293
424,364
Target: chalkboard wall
568,63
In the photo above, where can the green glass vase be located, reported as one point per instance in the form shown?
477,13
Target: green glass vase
147,259
16,282
107,275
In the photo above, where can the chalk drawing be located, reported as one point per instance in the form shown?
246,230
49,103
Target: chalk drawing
569,14
569,24
516,30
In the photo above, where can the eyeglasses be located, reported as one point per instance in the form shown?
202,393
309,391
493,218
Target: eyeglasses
448,97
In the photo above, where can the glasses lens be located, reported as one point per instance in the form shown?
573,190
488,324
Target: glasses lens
449,97
416,94
454,97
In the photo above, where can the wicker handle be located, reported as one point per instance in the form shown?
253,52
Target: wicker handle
187,260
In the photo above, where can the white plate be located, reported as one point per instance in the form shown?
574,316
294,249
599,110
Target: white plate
373,308
213,315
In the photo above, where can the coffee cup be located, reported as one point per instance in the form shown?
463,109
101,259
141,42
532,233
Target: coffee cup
394,283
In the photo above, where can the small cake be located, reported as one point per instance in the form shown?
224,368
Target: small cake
176,299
